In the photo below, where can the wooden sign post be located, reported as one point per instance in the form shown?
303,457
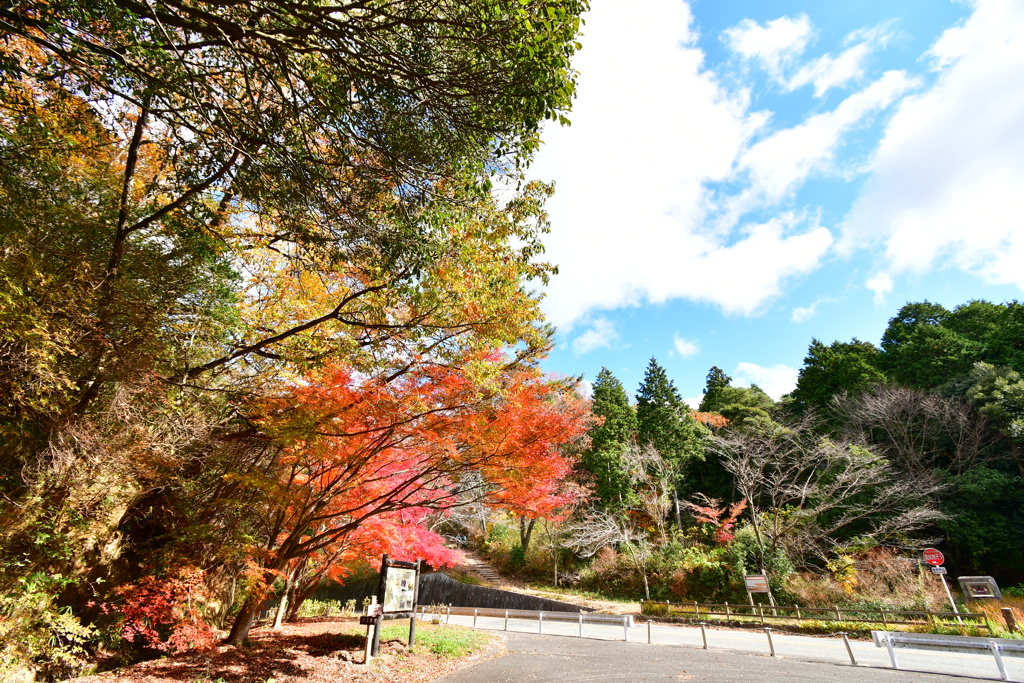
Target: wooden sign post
397,592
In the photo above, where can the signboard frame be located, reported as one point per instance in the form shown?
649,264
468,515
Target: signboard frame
397,595
980,588
756,583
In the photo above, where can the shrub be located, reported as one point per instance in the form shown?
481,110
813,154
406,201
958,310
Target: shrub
162,613
38,639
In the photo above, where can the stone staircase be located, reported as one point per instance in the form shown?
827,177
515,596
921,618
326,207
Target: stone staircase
475,564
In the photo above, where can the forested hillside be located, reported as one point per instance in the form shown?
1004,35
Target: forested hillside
833,490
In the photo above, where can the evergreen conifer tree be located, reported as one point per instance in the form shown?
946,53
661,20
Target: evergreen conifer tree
603,460
664,423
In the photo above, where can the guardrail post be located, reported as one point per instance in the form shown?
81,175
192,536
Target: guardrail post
506,620
994,646
798,617
884,622
648,631
476,611
540,622
581,624
703,635
448,615
625,628
696,610
728,616
761,610
771,645
849,650
892,652
839,617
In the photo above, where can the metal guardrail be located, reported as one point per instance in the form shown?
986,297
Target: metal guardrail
927,641
540,616
703,610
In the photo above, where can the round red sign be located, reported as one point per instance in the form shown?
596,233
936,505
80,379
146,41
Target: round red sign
933,557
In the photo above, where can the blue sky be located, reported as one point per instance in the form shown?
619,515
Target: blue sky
742,176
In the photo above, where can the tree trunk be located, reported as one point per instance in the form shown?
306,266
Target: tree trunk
525,533
239,635
282,606
675,501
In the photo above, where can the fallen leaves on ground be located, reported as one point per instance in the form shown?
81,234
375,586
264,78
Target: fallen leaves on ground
315,650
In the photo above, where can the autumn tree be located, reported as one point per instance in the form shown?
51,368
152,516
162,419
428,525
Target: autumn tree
350,449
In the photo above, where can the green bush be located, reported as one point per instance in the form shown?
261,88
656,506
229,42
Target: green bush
38,637
322,608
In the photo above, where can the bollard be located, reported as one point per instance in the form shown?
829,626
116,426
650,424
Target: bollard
728,617
448,615
648,631
581,624
475,612
540,622
771,645
625,627
1010,618
849,650
506,620
703,635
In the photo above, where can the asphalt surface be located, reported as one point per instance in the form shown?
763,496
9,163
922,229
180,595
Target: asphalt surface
676,654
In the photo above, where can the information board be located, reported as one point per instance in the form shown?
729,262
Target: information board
980,587
399,590
756,583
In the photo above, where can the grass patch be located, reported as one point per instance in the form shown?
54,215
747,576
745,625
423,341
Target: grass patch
438,639
572,592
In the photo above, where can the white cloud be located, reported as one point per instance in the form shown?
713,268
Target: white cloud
881,284
828,72
774,44
694,402
685,347
601,335
947,176
801,314
631,216
776,380
782,161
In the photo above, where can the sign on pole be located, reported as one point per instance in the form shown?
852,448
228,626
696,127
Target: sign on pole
756,583
938,570
933,557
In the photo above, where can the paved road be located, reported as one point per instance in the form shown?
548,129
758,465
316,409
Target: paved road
676,654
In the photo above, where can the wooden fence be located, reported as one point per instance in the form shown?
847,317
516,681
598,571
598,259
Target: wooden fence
711,612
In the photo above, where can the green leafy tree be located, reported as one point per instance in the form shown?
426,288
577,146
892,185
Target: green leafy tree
841,366
605,459
740,405
985,520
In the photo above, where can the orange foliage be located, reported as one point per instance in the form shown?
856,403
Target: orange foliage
709,420
363,459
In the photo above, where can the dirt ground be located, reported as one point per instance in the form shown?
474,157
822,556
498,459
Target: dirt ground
314,650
